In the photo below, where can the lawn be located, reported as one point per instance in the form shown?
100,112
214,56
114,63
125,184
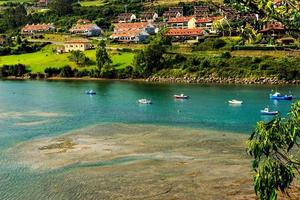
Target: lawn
13,1
38,61
92,3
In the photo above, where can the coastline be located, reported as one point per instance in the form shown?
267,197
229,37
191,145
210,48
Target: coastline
185,79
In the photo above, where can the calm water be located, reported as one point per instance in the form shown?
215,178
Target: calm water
33,109
40,108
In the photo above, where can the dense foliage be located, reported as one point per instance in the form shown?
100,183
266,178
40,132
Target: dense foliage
12,70
272,146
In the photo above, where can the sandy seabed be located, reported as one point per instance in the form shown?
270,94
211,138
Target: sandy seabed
121,161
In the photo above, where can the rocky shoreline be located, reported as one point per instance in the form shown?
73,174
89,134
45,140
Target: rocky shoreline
158,79
220,80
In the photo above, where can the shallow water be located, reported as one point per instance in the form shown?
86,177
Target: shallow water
117,149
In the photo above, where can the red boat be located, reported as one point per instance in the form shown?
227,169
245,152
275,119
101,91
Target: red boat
181,96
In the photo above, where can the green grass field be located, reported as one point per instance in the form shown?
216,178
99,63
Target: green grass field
92,3
38,61
14,1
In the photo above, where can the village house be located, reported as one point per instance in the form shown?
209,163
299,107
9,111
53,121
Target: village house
185,34
31,29
43,3
85,28
201,11
148,17
182,23
192,22
173,12
273,29
77,45
126,17
132,32
130,36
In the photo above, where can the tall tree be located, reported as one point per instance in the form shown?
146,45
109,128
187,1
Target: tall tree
61,7
272,146
102,57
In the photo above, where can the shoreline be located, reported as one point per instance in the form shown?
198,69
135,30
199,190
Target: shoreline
185,80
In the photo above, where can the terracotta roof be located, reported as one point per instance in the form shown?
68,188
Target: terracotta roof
179,19
129,26
83,27
77,41
204,20
184,32
129,33
274,26
37,27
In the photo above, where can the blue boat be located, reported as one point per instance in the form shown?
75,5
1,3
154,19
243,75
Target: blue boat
90,92
278,96
266,111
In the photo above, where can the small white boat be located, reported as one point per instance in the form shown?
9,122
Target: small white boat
90,92
181,96
267,111
234,101
144,101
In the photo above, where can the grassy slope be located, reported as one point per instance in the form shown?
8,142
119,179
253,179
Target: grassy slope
46,58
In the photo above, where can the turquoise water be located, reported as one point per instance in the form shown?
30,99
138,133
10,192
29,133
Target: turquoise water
30,109
37,109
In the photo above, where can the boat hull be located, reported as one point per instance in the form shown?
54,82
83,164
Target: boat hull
269,113
285,97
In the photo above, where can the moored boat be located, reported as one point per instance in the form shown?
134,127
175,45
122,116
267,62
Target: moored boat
267,111
234,101
90,92
278,96
144,101
181,96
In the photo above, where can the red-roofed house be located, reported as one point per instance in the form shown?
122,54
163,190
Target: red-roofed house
132,32
31,29
273,29
185,33
130,36
182,22
86,28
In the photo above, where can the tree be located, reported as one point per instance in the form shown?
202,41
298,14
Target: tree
286,11
272,146
151,58
61,7
15,16
102,57
79,58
